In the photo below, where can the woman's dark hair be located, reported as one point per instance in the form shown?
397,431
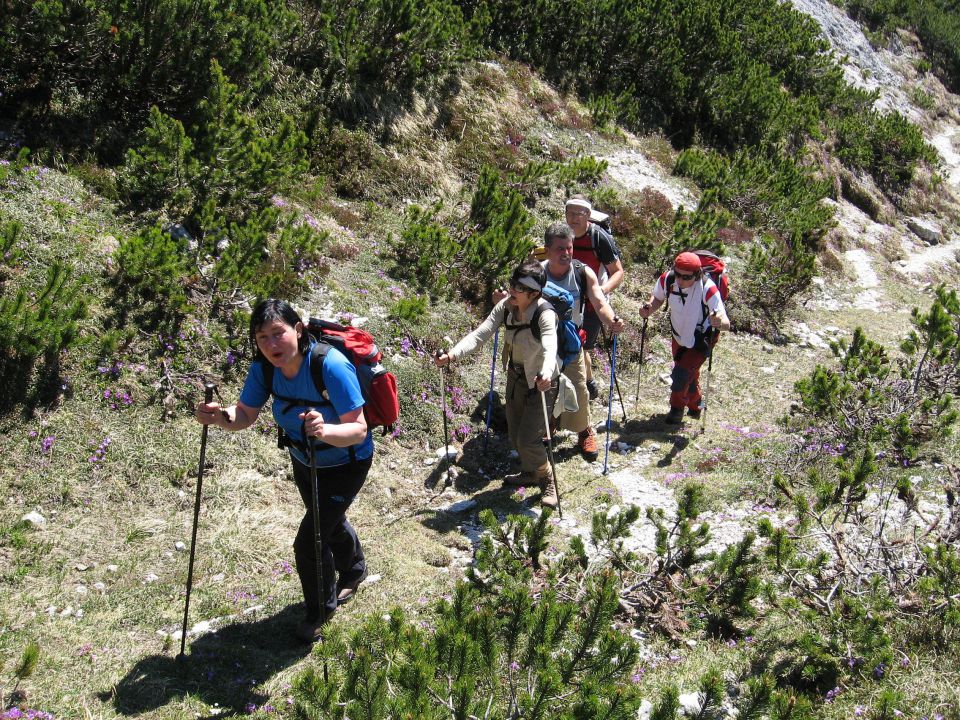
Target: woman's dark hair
531,269
271,310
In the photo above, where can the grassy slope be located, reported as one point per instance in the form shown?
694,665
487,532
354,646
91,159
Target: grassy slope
113,526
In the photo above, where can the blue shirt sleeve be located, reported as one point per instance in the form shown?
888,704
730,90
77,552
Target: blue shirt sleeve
255,392
341,382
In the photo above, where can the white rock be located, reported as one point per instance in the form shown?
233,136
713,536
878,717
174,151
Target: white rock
429,461
52,610
253,609
99,587
81,567
691,703
645,710
78,613
204,626
926,230
34,518
372,579
462,506
67,611
112,568
359,321
768,370
151,578
446,452
179,546
80,589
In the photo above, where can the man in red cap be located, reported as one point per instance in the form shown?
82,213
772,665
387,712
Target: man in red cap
696,317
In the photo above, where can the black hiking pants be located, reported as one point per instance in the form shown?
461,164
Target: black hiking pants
342,553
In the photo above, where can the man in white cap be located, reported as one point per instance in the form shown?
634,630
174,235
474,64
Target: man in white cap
595,248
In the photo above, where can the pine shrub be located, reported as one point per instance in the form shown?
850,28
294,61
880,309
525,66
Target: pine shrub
39,324
227,159
103,65
495,648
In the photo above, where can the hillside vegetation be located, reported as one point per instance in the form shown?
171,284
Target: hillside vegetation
165,164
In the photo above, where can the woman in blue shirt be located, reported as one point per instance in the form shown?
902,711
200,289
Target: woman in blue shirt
343,448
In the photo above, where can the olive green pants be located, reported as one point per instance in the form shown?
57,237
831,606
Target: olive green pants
525,418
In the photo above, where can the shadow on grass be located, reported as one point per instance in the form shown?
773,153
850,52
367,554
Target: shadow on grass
221,668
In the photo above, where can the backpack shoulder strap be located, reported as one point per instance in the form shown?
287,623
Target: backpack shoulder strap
668,281
580,277
535,318
318,353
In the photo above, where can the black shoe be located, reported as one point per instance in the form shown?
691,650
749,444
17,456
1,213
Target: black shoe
675,416
309,630
592,390
346,590
694,413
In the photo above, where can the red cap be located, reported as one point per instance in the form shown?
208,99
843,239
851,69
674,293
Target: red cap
687,262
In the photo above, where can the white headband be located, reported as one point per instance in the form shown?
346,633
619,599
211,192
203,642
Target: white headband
577,202
530,283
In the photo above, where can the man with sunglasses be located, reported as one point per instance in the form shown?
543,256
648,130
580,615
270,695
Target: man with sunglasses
697,316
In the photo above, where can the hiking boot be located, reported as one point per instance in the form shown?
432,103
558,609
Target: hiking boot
592,390
309,630
525,478
548,488
694,413
587,442
346,590
675,416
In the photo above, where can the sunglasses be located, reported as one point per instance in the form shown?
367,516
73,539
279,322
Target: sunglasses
517,287
684,276
576,213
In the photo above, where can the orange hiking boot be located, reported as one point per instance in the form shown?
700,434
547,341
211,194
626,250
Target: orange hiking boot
587,442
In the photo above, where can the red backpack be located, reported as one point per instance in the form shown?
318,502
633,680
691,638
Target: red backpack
378,385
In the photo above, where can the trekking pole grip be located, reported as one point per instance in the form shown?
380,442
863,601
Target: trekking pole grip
208,390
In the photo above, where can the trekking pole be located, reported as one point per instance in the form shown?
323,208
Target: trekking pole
706,391
317,541
208,389
553,465
613,375
623,408
446,435
643,341
493,371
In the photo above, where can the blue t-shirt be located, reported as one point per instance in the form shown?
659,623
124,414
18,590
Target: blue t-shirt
343,391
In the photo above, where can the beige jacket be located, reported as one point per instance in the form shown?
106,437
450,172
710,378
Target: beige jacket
519,344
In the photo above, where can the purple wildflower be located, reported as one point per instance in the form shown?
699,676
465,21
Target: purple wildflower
47,443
